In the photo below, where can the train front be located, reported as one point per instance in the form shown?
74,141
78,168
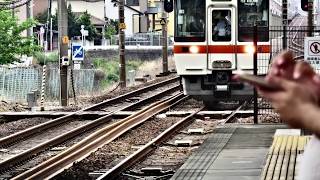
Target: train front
214,40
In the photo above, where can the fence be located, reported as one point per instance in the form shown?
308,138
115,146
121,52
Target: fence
291,38
142,39
17,82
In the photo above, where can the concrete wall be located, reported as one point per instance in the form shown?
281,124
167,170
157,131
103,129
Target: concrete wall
144,54
39,6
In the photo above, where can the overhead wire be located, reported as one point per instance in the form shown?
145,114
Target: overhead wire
13,4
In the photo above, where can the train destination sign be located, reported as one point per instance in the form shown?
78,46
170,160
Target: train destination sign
312,51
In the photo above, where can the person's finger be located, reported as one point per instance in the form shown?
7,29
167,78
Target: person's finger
303,70
283,65
281,82
316,79
285,59
270,95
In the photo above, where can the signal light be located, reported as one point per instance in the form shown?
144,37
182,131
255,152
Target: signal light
304,5
168,6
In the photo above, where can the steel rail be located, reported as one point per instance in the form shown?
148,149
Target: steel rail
81,150
148,148
231,116
7,164
16,137
295,35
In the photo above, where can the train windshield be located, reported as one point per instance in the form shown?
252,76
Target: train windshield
190,20
251,13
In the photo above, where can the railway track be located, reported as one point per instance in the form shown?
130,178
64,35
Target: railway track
99,138
14,140
297,30
145,151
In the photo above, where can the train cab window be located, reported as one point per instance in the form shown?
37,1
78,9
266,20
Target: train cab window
221,25
251,13
190,20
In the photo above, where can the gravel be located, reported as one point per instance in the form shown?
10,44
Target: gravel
8,128
13,107
112,153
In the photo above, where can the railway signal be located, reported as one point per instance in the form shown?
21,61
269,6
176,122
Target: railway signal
304,5
168,6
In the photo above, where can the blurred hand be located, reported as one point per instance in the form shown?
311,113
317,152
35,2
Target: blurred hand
291,100
284,66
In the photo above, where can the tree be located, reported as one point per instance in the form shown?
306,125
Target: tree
73,29
12,41
74,23
84,19
111,28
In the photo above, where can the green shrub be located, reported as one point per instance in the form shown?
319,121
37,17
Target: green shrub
111,69
43,58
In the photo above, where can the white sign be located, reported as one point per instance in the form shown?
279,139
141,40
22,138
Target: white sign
312,51
77,52
84,32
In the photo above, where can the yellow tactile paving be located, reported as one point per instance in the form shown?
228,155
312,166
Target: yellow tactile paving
286,158
282,155
269,156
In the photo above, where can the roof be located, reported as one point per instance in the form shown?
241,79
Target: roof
94,20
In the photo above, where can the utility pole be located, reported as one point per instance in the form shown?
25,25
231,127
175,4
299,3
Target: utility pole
28,11
63,50
310,17
122,27
143,18
164,23
284,22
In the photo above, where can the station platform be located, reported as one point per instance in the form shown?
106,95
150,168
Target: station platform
244,152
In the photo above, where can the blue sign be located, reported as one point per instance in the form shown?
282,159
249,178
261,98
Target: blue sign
77,52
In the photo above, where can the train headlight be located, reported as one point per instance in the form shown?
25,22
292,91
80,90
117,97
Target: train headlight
194,49
222,64
249,49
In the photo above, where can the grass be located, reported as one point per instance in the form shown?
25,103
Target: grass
45,58
111,69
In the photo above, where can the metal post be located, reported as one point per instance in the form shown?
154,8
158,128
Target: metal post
122,45
255,72
51,35
284,22
310,17
63,50
164,44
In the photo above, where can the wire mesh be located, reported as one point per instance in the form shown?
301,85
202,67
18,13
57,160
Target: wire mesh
17,82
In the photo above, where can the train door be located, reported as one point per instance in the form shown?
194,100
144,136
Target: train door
221,38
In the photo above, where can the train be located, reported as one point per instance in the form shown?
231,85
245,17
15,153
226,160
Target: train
213,40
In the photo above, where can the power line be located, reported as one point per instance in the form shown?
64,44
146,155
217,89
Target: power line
13,4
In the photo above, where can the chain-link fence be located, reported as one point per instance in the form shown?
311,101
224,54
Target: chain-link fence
17,82
142,39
